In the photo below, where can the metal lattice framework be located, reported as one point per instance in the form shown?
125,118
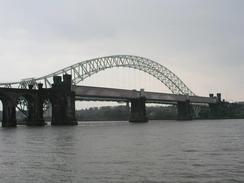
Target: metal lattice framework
85,69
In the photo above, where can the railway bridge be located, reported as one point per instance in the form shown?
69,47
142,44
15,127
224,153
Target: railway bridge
61,89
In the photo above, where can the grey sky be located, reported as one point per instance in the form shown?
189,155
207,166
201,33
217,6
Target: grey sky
201,41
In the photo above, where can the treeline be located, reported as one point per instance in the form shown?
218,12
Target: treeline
225,110
118,113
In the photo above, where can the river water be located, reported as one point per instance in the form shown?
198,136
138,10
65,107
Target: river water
158,151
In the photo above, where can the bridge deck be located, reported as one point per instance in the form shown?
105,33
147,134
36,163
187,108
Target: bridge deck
112,94
122,95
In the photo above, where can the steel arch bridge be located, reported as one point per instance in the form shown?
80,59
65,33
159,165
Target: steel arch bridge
85,69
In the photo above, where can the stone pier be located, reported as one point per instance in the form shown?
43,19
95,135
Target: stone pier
35,109
9,113
63,101
138,110
184,110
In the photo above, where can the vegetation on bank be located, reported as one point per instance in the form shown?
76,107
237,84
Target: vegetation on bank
223,110
118,113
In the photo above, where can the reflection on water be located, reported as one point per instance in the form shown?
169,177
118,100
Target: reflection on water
158,151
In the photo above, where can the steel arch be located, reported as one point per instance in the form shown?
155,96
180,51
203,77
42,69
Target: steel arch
84,69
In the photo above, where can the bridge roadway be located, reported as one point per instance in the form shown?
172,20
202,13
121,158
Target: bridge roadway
112,94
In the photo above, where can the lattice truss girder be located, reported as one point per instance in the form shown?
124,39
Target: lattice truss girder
85,69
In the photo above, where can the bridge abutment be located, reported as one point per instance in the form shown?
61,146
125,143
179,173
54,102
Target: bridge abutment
63,101
184,110
218,109
138,110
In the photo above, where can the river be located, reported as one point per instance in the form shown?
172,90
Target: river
158,151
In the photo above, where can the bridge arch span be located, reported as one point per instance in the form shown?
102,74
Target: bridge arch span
85,69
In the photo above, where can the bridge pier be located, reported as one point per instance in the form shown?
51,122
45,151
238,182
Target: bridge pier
9,114
63,101
35,110
138,110
184,110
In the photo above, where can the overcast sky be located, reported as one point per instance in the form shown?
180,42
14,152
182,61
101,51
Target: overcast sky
201,41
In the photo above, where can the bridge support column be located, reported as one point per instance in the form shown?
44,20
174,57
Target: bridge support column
184,110
9,114
138,110
35,109
63,102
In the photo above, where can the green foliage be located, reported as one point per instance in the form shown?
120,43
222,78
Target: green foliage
222,110
103,113
123,113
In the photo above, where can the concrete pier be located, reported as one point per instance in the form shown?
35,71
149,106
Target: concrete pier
138,110
184,110
9,114
35,107
63,101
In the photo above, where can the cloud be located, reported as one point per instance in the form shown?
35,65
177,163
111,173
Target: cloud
201,41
